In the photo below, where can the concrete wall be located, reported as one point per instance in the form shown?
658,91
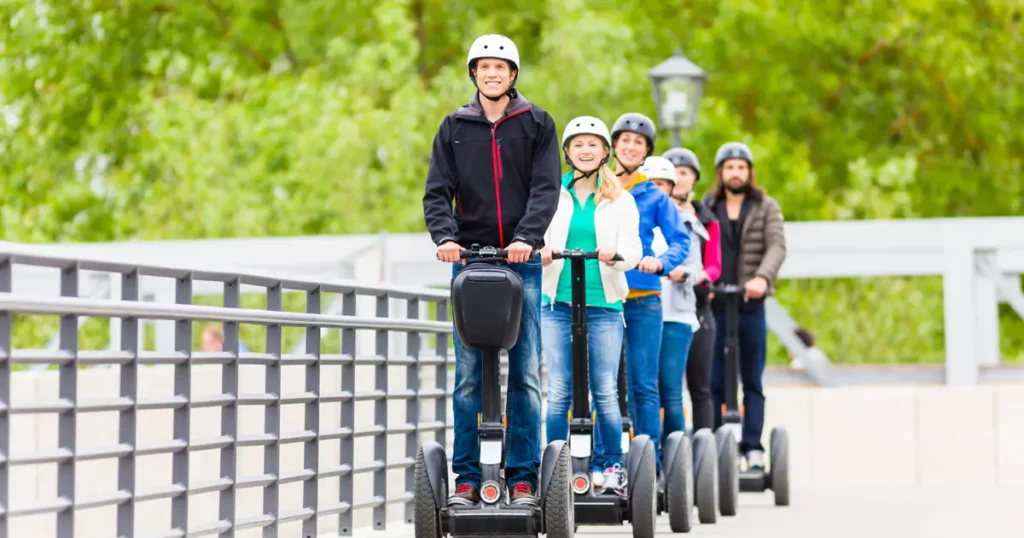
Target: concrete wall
902,435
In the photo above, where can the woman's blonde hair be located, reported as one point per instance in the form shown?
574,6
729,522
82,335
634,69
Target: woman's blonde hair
610,187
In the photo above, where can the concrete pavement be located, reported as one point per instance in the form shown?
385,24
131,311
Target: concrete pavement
861,512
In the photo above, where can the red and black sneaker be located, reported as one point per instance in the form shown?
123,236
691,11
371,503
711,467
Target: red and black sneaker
523,494
465,494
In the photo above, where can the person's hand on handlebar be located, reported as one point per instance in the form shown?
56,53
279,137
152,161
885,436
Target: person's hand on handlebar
756,287
678,274
605,255
449,252
649,264
518,252
545,256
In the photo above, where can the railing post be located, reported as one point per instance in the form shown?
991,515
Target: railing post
68,421
229,413
412,406
380,441
441,376
272,416
986,308
129,336
5,401
311,461
183,414
958,301
348,417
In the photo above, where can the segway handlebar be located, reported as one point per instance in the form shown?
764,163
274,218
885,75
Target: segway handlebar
476,251
577,253
728,289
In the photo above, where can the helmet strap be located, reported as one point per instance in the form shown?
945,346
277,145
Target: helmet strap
626,171
584,175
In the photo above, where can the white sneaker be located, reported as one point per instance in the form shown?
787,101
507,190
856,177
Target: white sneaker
597,480
755,458
615,479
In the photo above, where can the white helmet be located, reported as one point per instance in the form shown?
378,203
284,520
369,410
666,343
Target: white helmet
655,167
586,125
493,46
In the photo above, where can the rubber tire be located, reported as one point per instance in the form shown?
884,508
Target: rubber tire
679,488
779,462
643,493
728,473
705,476
559,511
425,510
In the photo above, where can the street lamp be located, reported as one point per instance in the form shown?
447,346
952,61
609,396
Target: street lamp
678,86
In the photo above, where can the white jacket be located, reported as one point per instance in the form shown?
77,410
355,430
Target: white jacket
616,224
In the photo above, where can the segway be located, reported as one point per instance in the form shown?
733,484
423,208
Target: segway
689,476
638,505
487,303
776,477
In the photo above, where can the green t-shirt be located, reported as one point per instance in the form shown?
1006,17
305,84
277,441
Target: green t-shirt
583,235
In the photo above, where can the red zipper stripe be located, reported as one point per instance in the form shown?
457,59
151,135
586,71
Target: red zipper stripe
496,168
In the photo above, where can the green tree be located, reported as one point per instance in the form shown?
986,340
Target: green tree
162,119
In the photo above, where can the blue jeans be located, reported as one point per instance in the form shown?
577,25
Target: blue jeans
604,340
675,348
753,335
643,345
522,438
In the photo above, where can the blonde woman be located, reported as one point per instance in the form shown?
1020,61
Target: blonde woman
594,214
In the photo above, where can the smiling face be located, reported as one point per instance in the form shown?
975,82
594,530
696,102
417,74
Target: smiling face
586,151
631,149
493,76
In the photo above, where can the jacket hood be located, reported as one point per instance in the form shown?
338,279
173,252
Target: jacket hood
474,109
703,212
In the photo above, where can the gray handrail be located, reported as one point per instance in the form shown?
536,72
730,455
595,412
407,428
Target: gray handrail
68,306
420,362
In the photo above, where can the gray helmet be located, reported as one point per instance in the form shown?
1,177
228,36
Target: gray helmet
683,157
734,150
637,123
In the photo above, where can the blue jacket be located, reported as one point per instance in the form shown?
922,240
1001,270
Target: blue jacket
656,211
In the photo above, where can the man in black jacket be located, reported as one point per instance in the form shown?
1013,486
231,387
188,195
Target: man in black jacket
497,159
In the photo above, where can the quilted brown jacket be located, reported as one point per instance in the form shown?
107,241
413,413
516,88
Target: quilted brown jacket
762,238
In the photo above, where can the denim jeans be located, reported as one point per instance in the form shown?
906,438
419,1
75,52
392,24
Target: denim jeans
753,334
643,344
522,409
675,349
604,341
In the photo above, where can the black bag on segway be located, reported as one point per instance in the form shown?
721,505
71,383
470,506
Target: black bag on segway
488,304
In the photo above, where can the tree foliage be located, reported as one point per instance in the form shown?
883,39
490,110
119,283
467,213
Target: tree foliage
214,118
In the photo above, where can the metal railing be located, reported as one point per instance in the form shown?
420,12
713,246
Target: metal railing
132,406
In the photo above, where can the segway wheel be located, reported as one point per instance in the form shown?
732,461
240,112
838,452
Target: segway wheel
643,491
779,462
425,509
705,476
559,513
680,487
728,473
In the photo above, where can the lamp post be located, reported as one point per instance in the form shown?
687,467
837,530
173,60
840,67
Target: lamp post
678,87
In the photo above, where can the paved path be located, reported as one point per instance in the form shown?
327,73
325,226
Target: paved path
849,513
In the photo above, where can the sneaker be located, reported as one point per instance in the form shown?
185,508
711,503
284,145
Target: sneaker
465,495
755,459
523,494
597,480
615,479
